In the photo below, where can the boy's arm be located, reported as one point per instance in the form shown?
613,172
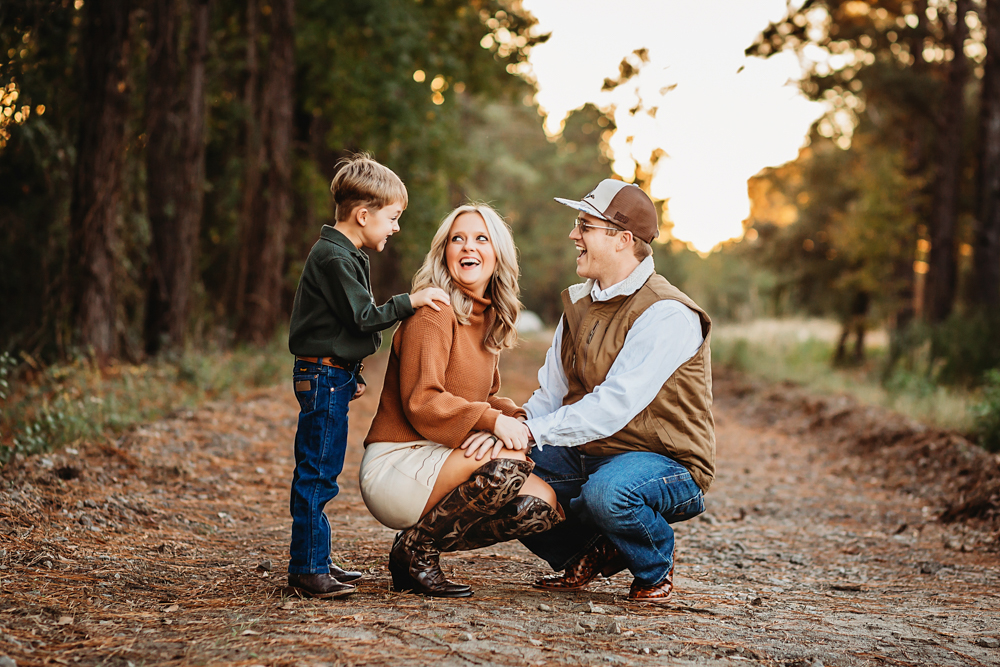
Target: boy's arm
348,297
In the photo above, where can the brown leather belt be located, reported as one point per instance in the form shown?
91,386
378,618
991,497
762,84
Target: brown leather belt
342,364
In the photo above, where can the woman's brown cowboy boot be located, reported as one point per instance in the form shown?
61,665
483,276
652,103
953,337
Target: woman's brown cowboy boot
413,561
523,516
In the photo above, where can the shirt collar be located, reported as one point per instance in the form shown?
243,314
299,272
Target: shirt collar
334,235
630,285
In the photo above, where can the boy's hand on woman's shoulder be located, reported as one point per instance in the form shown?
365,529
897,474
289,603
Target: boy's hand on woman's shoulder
427,297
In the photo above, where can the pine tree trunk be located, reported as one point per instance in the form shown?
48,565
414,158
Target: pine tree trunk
252,160
986,253
175,165
268,207
941,276
97,179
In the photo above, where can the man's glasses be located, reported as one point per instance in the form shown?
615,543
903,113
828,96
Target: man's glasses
583,226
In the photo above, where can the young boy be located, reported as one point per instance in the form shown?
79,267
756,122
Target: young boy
335,325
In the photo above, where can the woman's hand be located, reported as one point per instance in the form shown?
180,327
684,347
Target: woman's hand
479,443
508,433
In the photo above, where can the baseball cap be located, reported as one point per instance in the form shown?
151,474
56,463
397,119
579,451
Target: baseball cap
624,204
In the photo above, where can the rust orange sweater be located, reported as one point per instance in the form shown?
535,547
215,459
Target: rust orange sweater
441,381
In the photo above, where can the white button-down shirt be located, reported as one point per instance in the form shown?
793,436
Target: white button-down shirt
665,336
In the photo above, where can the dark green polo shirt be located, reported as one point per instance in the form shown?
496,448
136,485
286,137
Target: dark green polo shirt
334,313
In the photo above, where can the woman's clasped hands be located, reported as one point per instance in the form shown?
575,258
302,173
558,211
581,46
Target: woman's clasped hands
508,432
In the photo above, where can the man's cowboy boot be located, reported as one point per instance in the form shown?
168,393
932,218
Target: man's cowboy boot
657,593
523,516
413,561
602,558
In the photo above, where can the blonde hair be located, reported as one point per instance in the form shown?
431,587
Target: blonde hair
502,288
361,181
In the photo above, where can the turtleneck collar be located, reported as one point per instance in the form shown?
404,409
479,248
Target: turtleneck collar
479,304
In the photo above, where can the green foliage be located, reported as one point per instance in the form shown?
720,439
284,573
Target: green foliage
733,354
728,284
955,352
987,412
356,89
856,244
799,350
80,401
7,365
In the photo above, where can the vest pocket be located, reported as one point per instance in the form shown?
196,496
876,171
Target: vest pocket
659,431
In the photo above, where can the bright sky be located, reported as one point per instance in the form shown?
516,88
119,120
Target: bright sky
717,127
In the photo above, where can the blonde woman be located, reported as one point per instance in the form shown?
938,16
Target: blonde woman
441,385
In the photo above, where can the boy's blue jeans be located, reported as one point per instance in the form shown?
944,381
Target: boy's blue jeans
631,498
323,393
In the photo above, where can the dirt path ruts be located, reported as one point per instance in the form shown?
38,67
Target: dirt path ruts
169,548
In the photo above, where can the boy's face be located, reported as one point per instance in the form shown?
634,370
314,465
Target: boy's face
379,225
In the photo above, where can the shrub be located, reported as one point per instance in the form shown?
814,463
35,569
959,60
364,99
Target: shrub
58,405
987,413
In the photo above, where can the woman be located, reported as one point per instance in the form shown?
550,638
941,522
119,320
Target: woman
440,386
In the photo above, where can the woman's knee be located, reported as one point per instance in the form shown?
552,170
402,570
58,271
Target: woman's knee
536,487
516,454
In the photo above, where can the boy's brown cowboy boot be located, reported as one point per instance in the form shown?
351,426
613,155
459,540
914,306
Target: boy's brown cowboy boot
413,561
523,516
601,559
320,586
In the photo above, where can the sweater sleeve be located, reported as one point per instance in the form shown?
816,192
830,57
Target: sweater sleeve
438,415
347,295
501,403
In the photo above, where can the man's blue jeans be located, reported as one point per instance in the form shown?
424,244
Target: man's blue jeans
323,393
631,498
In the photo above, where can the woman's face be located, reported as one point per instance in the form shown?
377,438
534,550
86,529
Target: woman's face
469,253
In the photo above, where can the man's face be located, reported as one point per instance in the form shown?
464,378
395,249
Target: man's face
598,258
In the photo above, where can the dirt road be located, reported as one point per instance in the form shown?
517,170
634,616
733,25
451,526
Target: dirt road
168,548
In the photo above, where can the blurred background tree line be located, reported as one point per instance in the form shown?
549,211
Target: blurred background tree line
164,170
164,166
890,216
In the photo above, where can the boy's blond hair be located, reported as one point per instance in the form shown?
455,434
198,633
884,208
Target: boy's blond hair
361,181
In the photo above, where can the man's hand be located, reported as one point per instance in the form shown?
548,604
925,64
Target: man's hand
427,297
359,392
512,432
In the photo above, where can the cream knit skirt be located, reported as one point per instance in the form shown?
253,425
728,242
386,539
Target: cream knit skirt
397,479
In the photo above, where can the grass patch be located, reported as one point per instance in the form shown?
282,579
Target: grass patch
46,408
801,350
987,412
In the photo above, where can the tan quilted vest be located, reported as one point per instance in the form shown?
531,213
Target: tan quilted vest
678,423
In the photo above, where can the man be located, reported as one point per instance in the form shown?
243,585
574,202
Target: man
622,422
